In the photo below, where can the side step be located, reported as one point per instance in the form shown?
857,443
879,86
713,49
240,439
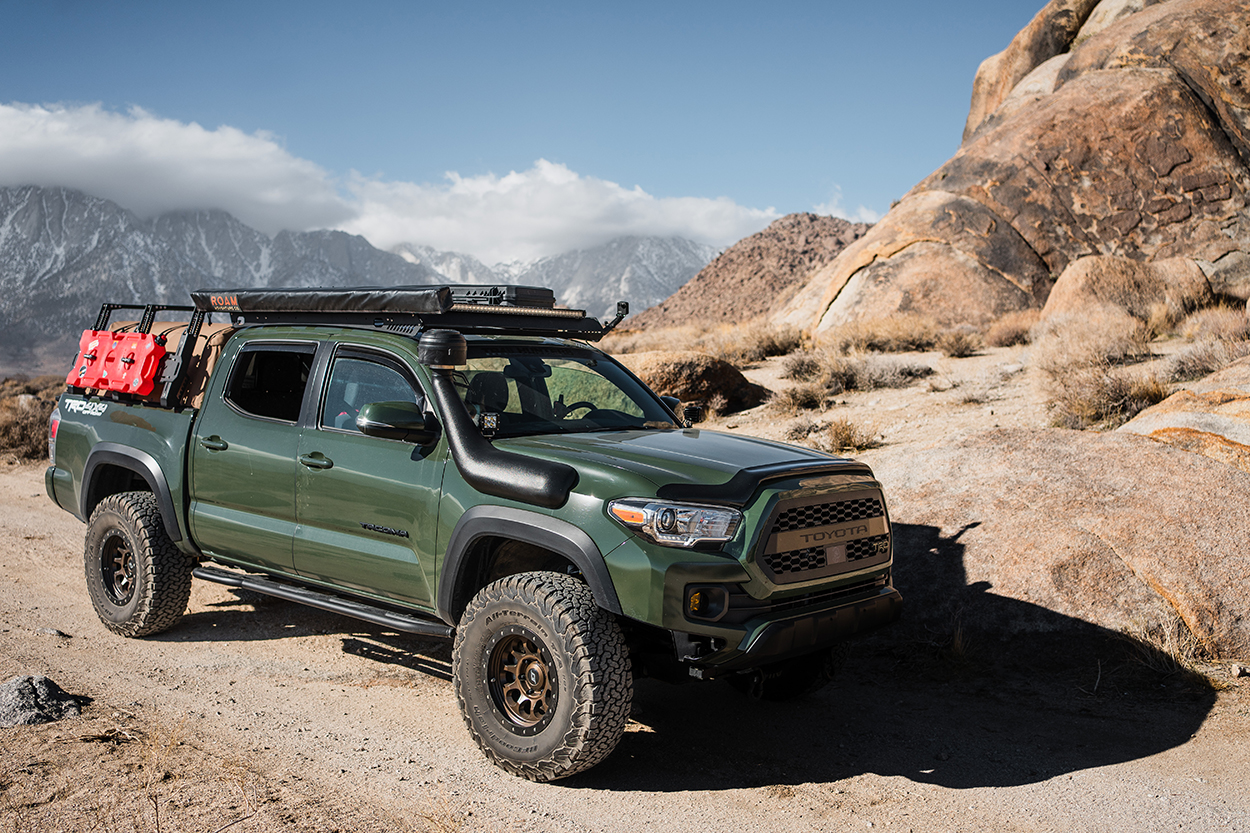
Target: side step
324,601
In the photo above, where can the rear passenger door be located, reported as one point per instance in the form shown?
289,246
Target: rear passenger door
243,456
367,507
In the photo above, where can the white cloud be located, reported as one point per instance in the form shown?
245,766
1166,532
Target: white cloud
151,165
834,208
541,211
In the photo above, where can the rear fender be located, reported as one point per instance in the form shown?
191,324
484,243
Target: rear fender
133,460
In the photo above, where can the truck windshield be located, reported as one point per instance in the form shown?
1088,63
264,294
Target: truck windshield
555,390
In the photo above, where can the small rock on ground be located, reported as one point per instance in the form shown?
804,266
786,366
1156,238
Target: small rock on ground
27,700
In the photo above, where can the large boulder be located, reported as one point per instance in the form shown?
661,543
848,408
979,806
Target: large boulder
695,377
1133,144
1110,529
1048,34
1175,284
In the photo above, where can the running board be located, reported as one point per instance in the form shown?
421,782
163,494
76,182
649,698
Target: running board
324,601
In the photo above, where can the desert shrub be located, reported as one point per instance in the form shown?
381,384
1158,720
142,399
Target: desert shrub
1012,329
1103,396
747,344
1222,323
898,333
1204,358
837,435
871,372
739,345
959,343
805,397
25,406
802,367
1100,337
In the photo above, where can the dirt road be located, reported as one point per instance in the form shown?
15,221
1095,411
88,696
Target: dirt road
279,717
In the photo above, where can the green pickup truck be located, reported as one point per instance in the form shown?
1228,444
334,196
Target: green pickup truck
461,462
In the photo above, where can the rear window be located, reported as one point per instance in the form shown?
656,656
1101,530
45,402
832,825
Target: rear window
269,382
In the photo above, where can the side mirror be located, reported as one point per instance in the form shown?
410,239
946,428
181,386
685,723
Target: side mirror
398,421
672,403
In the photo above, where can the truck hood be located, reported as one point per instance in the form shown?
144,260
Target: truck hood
689,456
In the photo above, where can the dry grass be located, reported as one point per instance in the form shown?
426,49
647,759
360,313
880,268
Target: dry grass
739,345
1204,358
900,333
1171,649
826,373
1101,396
25,405
959,343
1013,328
1218,323
804,397
1102,336
837,435
1083,358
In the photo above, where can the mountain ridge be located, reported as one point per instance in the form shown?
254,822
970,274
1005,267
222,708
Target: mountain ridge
63,253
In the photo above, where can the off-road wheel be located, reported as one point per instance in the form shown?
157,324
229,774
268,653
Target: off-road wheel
542,675
138,580
793,678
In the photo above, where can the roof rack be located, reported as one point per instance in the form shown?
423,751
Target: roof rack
490,310
174,368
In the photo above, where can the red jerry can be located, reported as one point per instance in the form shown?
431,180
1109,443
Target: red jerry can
132,362
89,364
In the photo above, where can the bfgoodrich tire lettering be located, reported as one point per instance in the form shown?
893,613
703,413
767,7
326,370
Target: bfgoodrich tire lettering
542,675
138,580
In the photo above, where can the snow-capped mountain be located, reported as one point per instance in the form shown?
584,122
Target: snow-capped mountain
63,253
641,270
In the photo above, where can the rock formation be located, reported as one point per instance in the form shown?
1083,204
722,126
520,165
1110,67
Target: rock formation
757,274
1111,529
1116,128
695,378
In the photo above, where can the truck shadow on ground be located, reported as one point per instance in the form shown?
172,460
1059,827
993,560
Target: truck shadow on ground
245,617
939,698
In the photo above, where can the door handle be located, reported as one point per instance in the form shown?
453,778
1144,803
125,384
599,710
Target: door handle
214,443
316,460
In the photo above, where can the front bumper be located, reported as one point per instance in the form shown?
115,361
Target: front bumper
806,632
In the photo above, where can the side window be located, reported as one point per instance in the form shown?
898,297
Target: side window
269,381
356,382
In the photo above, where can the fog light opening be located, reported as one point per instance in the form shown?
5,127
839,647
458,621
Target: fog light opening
707,602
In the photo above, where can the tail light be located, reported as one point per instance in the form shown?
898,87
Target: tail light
54,422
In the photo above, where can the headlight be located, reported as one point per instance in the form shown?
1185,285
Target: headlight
676,524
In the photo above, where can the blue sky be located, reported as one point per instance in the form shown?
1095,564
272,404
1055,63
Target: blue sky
706,118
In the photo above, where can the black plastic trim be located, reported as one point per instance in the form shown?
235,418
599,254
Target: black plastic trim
355,608
142,464
543,531
740,488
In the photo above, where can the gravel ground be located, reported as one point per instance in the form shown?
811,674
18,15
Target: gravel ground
270,716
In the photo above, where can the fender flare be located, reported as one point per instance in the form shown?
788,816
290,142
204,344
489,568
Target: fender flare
142,464
544,531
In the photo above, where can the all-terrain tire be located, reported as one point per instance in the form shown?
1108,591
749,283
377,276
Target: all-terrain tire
793,678
138,580
542,675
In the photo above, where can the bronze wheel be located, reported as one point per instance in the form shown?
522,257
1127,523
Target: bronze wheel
117,568
522,679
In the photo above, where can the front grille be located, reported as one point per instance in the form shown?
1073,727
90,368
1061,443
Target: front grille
837,543
822,514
